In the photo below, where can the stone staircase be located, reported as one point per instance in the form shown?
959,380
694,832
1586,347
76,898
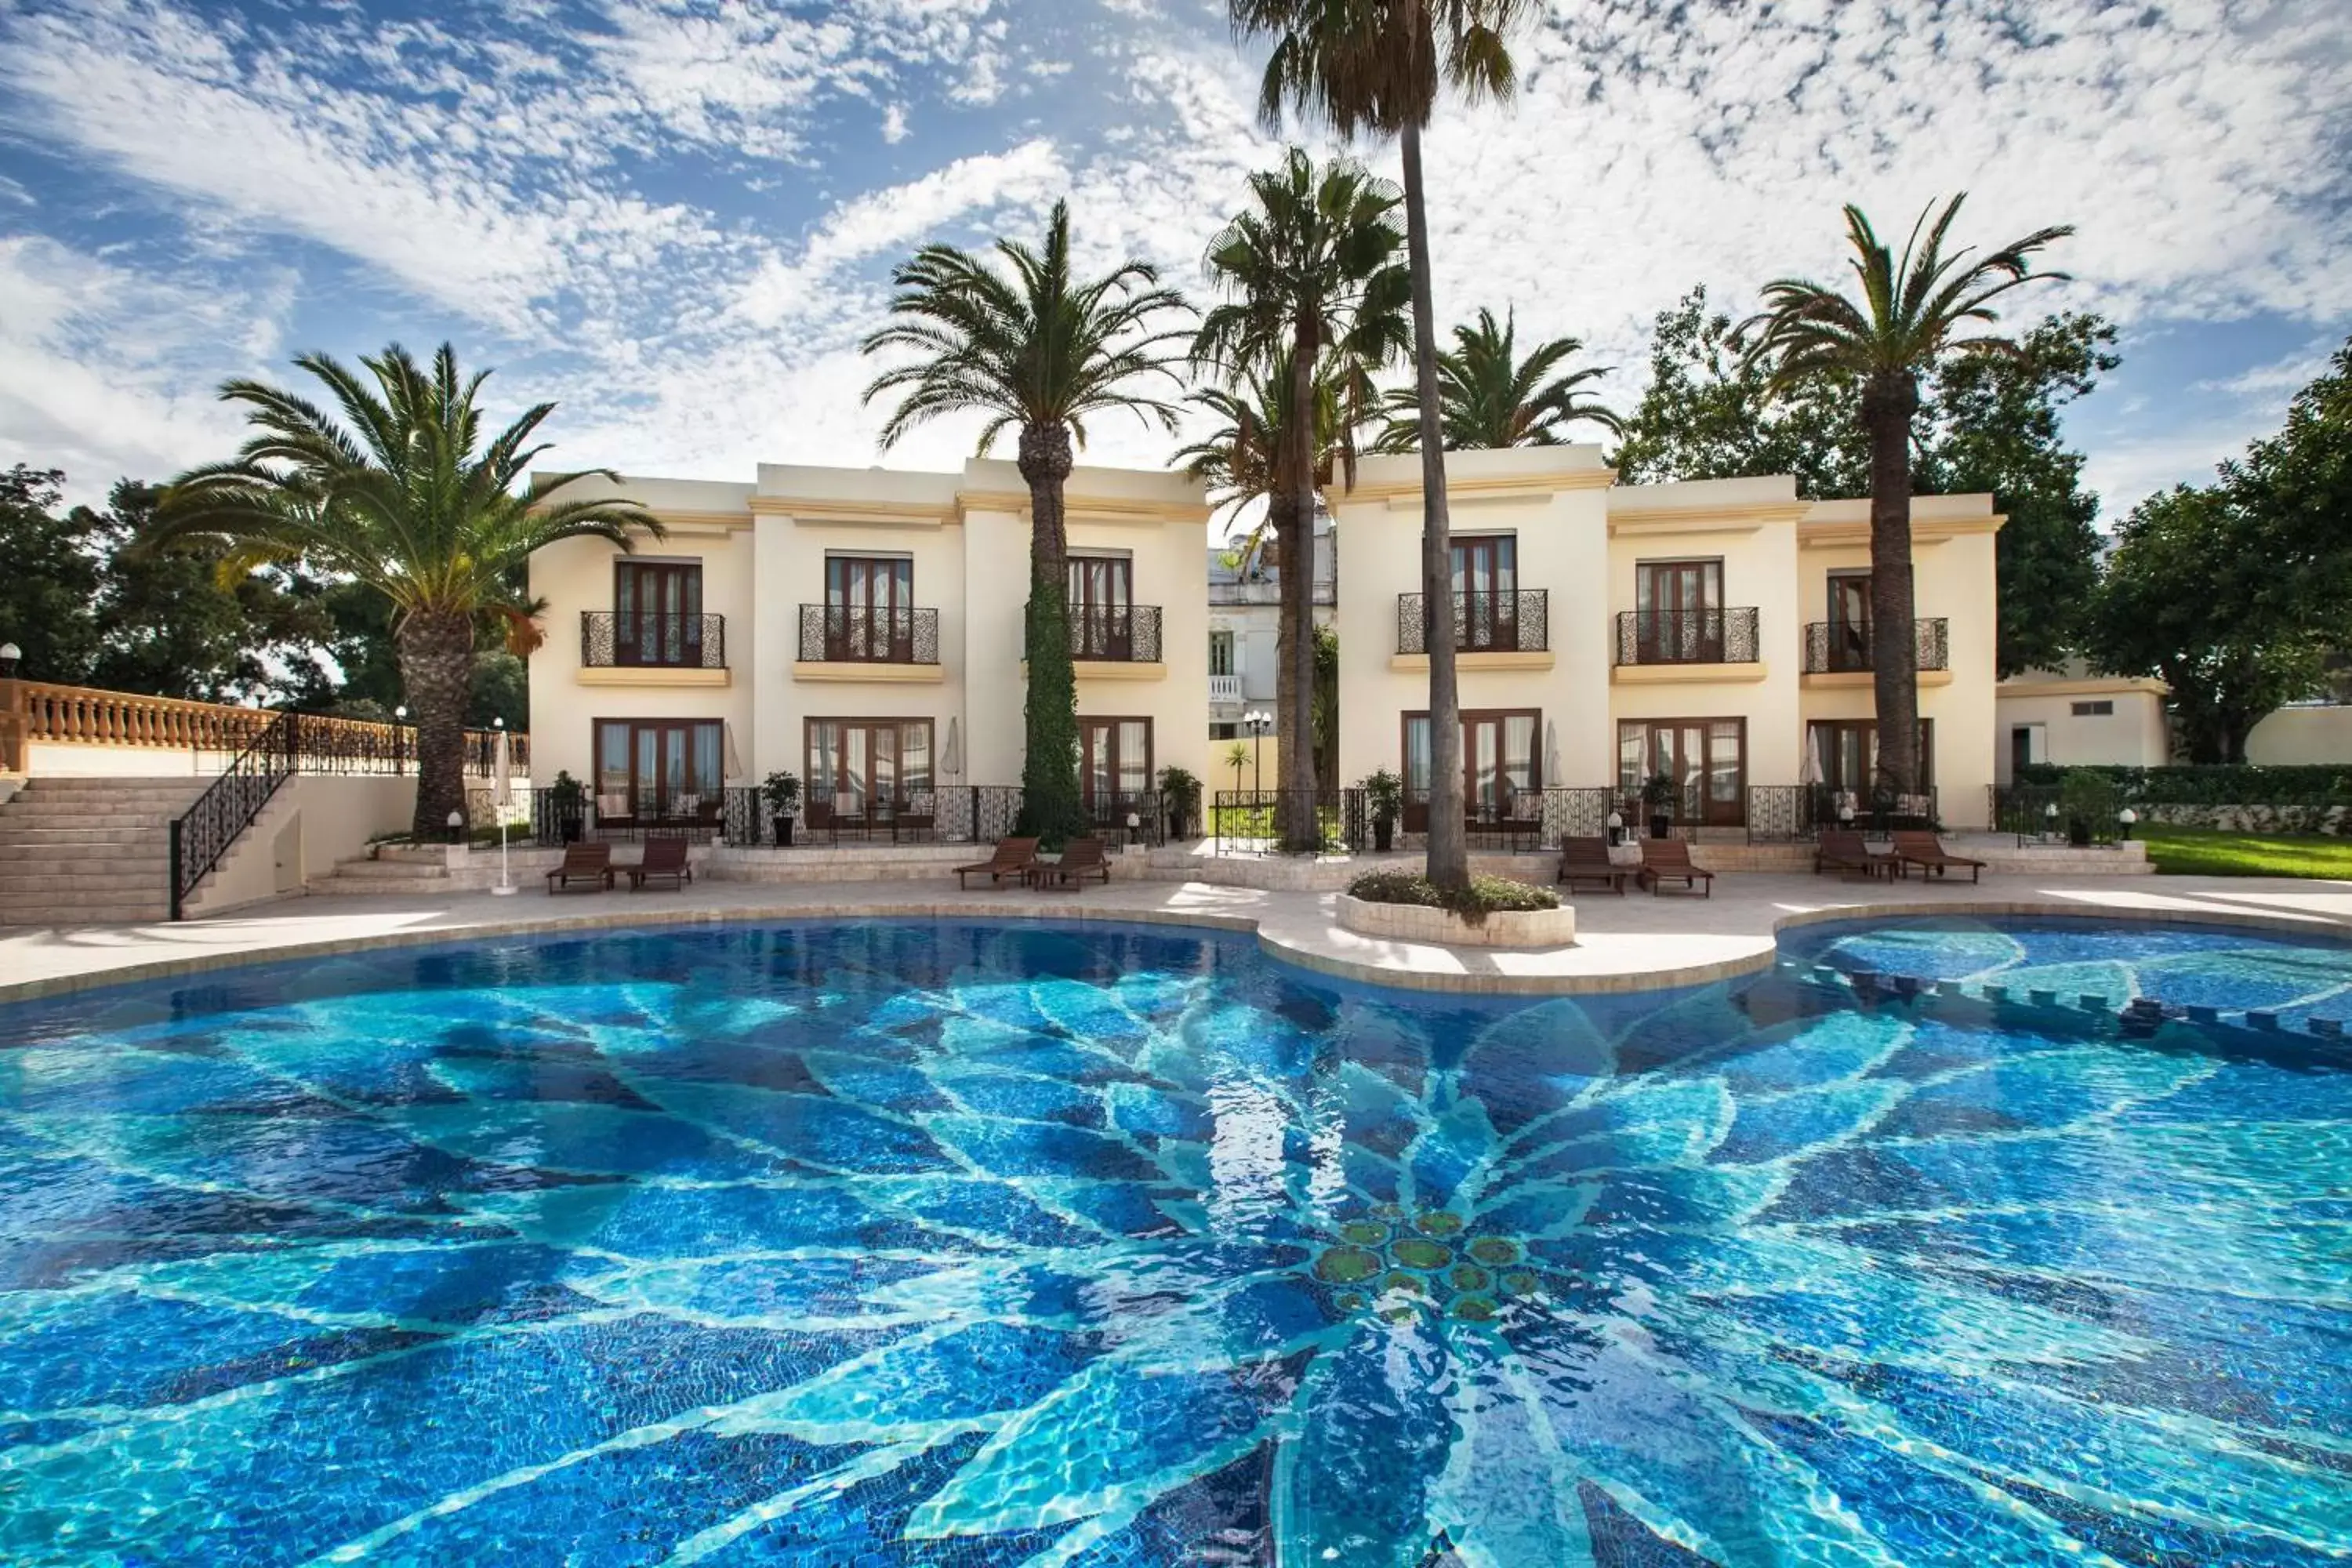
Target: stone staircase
84,851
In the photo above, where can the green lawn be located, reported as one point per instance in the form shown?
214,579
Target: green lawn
2204,852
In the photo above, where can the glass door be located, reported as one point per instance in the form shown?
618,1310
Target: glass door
656,613
1849,620
1114,767
658,770
1102,594
1486,592
869,609
1707,759
1677,608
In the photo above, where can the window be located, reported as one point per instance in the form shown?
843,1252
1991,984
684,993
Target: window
856,762
1705,758
1102,601
659,770
1486,590
1114,760
869,608
1224,730
1677,611
2102,709
1221,653
1498,760
1849,628
658,613
1846,754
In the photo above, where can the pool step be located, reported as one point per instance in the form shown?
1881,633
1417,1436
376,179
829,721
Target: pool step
2138,1016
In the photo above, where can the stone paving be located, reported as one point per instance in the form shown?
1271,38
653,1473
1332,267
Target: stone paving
1634,942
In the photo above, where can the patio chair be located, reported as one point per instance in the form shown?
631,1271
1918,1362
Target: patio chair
1842,849
590,863
1667,860
1014,857
1084,857
1587,860
663,857
1927,852
918,818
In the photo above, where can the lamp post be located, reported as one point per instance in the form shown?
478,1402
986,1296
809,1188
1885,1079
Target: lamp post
1616,828
1258,722
10,656
2050,820
400,739
2127,816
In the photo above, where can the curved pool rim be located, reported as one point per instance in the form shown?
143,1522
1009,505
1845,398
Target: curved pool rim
1484,983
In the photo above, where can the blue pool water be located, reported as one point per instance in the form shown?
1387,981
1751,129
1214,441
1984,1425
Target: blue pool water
910,1244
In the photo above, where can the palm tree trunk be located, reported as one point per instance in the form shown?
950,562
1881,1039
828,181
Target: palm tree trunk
1887,406
1449,844
1295,643
437,661
1051,808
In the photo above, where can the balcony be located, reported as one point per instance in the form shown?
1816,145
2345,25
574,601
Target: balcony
1842,647
638,647
1111,634
1514,621
1648,637
1225,689
862,634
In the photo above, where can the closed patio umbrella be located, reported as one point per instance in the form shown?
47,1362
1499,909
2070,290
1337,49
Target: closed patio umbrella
951,755
732,768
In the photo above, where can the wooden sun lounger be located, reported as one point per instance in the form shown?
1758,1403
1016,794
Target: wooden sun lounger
1843,850
1927,852
663,857
590,863
1668,860
1587,860
1082,858
1014,857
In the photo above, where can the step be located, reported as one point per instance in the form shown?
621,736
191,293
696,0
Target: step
18,886
390,871
84,816
35,839
49,870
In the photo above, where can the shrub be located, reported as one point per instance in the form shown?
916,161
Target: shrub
1485,896
2216,783
2088,798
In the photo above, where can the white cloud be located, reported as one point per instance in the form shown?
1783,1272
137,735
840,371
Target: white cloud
894,124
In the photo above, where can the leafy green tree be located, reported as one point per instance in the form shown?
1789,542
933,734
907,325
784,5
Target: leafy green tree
51,580
1908,319
403,494
1377,67
1490,397
2299,481
1036,349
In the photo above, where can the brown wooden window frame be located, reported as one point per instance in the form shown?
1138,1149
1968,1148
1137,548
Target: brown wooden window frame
1711,812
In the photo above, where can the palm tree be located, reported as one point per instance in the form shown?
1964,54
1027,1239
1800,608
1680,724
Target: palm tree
1489,397
400,494
1297,269
1377,67
1908,319
1030,346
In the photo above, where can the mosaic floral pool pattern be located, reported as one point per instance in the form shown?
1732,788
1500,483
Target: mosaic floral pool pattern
971,1246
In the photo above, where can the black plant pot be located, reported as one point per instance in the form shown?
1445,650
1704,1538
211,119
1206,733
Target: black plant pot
2078,833
569,829
782,827
1662,827
1383,835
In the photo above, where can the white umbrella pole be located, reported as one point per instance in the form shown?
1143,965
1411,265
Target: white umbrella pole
504,795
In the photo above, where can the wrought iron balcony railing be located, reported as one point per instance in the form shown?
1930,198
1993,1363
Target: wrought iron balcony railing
1518,620
645,638
857,633
1840,648
1688,636
1112,634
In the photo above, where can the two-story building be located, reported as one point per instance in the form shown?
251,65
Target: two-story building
1715,632
863,629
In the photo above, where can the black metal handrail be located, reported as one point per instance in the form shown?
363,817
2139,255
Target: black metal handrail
1688,636
1517,620
204,833
650,639
1842,647
861,633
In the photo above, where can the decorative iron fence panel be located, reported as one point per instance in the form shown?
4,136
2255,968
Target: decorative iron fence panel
1517,621
2038,814
856,634
1876,816
1576,814
1842,647
1783,813
1688,637
1272,821
649,639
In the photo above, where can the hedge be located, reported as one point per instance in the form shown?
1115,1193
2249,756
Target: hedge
1485,896
2221,783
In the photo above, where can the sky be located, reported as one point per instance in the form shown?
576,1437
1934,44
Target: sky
676,218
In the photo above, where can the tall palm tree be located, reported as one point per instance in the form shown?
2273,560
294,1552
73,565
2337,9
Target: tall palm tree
1489,397
1036,349
1910,314
1298,269
1377,67
401,494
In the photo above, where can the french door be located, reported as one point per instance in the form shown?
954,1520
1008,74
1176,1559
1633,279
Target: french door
1499,760
869,609
1707,759
1844,753
1849,621
656,613
1102,606
1114,764
856,764
1678,612
658,770
1486,579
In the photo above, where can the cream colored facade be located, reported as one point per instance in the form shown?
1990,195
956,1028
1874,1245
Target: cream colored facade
1608,682
935,685
2071,718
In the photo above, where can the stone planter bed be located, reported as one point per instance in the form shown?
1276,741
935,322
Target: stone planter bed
1419,922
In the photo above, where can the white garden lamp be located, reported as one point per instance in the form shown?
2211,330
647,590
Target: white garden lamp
2127,816
10,655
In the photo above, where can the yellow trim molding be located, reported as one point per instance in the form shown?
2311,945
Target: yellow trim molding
1691,674
651,674
1087,508
2085,686
1465,661
1493,487
871,672
1858,678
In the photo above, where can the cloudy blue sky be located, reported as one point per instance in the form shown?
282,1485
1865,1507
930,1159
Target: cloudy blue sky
676,216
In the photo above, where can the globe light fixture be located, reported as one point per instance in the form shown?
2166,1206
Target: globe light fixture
2127,816
10,656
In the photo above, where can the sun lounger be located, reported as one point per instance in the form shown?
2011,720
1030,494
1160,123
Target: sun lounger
590,863
1668,860
663,857
1927,852
1014,857
1587,860
1083,858
1843,850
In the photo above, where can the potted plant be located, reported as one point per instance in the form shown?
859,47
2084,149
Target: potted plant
1384,796
567,798
1658,795
1180,792
783,791
2085,798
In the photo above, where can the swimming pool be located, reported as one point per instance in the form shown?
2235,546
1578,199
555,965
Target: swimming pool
965,1245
